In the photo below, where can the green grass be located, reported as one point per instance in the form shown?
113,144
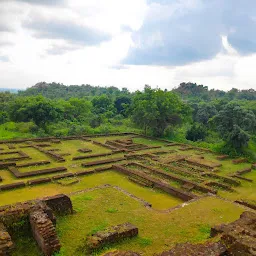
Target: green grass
156,230
98,209
111,210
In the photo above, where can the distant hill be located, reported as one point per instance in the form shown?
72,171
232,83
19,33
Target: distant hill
9,90
57,90
193,91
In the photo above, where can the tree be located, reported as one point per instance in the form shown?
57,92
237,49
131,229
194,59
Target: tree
37,109
235,124
102,104
205,112
122,104
155,109
196,132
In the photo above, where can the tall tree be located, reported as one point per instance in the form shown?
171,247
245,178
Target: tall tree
155,110
235,124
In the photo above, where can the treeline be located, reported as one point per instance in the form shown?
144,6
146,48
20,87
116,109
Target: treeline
222,121
60,91
194,92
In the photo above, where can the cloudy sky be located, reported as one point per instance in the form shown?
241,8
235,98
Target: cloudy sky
128,43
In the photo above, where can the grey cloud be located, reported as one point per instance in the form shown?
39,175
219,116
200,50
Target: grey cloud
193,33
55,29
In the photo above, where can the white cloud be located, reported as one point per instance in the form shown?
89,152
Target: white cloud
58,57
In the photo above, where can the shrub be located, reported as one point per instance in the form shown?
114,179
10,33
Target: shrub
196,132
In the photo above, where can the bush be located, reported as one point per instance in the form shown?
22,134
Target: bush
196,132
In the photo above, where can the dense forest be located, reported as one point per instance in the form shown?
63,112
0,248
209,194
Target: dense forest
222,121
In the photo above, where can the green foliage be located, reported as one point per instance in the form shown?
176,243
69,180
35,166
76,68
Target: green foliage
234,125
38,109
59,110
205,112
196,132
122,105
155,110
102,104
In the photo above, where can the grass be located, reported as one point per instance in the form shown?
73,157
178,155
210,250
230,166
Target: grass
111,210
101,208
156,230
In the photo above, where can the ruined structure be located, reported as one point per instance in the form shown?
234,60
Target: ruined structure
39,215
111,235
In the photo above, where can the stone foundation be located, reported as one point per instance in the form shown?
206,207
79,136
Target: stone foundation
239,236
111,235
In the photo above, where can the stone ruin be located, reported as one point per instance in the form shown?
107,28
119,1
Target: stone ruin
239,237
6,244
39,216
111,235
236,239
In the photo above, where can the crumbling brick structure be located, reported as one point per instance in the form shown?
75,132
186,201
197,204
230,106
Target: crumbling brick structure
39,216
44,232
239,237
111,235
6,244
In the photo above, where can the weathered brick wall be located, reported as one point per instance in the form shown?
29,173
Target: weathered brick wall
61,204
6,244
44,232
238,236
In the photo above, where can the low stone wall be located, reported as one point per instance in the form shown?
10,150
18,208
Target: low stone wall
219,185
222,178
202,163
176,178
111,235
38,181
21,156
222,157
44,232
241,172
18,174
106,161
6,244
84,150
6,165
238,236
186,196
55,156
44,162
239,160
93,155
247,204
12,186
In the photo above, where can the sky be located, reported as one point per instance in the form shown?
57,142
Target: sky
128,43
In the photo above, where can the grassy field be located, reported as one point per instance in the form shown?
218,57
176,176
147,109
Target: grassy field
159,228
99,209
